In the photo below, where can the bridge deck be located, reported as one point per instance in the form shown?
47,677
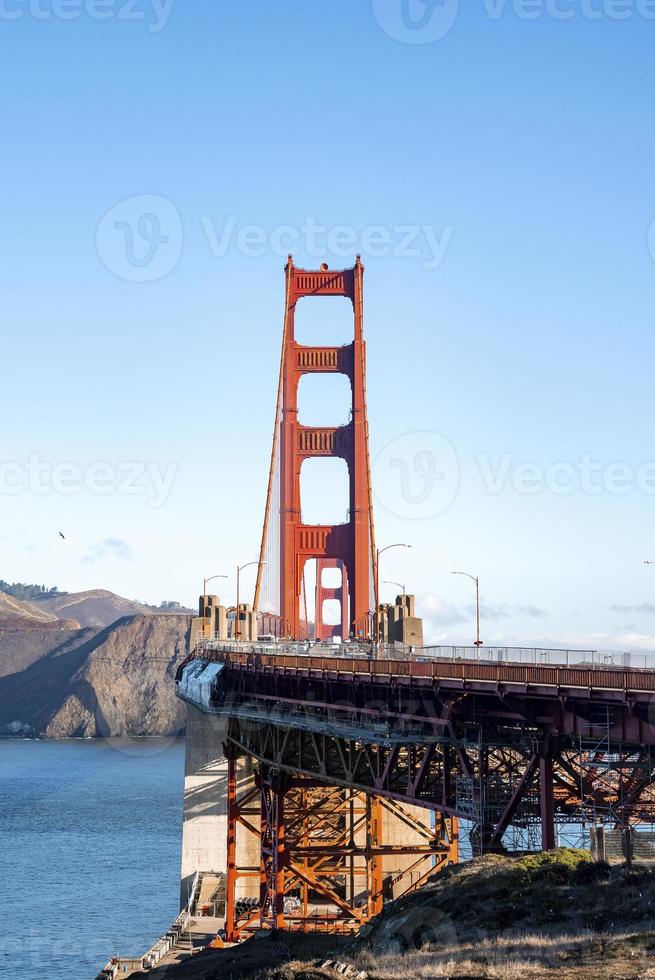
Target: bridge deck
546,680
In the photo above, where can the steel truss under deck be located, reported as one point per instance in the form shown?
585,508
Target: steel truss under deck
322,853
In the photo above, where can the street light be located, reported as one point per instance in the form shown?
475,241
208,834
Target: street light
474,578
204,593
398,584
381,551
649,563
237,619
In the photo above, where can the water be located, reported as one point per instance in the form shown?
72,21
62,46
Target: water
90,836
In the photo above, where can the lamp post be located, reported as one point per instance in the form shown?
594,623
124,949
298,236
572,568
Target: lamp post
397,584
381,551
204,593
237,619
474,578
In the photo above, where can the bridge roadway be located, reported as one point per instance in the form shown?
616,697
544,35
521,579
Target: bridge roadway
447,672
496,743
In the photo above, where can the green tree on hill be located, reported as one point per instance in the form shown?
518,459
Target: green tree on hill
26,592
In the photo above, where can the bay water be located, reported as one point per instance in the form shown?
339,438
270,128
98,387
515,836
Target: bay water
90,836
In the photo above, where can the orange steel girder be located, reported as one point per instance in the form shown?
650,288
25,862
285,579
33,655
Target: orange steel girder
242,810
274,855
322,849
352,542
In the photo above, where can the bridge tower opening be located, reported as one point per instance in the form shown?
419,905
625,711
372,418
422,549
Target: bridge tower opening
288,543
325,593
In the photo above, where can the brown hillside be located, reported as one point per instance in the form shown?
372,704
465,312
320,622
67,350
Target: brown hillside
97,607
16,613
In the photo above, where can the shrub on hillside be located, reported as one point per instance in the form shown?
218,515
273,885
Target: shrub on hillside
25,592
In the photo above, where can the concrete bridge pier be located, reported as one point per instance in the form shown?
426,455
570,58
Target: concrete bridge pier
205,820
204,828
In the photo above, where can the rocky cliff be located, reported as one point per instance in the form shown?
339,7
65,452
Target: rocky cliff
118,680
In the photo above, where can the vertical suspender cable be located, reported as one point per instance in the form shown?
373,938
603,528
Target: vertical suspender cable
368,453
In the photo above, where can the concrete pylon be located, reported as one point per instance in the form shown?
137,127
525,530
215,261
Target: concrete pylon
204,828
211,620
400,624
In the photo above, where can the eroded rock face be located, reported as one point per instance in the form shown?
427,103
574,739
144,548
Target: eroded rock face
71,719
109,682
132,675
22,647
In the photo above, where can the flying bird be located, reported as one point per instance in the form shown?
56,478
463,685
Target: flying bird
62,536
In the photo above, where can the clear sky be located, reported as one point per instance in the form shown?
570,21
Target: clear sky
492,162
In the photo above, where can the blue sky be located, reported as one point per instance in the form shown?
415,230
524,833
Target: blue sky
498,181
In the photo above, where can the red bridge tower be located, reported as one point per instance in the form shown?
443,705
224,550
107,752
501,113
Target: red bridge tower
287,543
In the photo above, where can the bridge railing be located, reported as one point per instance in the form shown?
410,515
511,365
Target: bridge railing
538,656
291,648
531,656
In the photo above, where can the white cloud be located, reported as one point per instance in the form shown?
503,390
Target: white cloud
437,610
623,642
110,548
534,612
439,615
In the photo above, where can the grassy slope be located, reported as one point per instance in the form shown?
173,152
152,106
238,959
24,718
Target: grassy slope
552,915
